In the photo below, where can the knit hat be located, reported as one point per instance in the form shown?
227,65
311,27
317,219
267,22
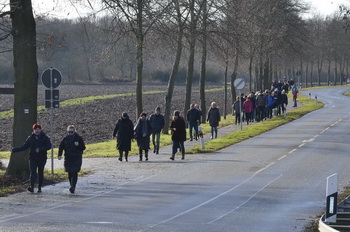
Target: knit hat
36,125
176,113
125,115
157,109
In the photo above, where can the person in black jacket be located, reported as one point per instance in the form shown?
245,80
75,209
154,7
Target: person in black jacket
73,147
178,134
213,118
193,117
125,130
38,143
143,131
157,124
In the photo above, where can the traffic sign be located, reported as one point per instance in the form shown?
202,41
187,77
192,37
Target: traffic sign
52,95
51,78
239,83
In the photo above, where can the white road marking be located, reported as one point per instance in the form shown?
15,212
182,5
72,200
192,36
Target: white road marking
212,199
138,179
282,157
292,151
224,215
301,145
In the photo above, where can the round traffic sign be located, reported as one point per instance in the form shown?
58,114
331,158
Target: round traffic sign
51,78
239,83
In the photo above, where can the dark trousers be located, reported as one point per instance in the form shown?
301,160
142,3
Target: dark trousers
193,125
73,178
121,155
36,168
248,115
156,141
179,144
237,118
146,153
260,113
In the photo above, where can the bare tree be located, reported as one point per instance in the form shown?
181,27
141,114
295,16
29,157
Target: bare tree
140,16
26,81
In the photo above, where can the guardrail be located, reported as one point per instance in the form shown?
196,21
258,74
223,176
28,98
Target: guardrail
342,223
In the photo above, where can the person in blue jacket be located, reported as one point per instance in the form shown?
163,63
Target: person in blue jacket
38,143
157,124
271,102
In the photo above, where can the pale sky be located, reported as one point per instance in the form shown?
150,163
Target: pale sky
326,7
66,8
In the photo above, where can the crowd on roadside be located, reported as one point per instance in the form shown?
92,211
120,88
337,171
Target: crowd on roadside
255,106
261,105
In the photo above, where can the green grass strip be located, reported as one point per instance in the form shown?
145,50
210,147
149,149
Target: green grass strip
258,128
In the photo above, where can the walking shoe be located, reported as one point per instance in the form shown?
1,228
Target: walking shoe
120,159
30,189
146,159
172,158
71,190
39,189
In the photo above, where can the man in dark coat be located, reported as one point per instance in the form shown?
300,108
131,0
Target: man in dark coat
73,147
157,124
213,118
193,117
178,134
125,130
143,131
38,143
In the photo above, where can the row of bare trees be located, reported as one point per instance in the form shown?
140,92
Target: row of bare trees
261,40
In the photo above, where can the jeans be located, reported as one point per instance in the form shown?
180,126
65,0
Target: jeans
156,141
214,129
193,125
36,167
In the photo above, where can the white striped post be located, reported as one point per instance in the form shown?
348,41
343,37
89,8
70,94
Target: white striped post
331,202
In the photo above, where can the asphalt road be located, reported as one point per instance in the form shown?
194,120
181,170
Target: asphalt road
272,182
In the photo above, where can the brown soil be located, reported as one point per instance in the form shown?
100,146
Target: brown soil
95,121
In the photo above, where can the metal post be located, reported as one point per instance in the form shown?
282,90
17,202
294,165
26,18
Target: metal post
51,120
240,108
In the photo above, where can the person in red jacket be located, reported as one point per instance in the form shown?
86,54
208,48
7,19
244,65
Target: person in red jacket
248,108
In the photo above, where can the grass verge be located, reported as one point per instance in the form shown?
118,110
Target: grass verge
10,185
258,128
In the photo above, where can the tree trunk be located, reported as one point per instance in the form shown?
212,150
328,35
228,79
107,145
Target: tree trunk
335,72
190,66
311,73
172,79
26,81
250,73
329,72
306,73
233,78
203,63
139,58
225,96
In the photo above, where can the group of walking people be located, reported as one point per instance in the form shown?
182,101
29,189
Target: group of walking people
263,105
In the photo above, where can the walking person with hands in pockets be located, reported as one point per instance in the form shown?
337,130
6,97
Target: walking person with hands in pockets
73,147
124,130
178,134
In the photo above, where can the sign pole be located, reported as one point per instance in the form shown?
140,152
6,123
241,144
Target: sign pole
51,121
